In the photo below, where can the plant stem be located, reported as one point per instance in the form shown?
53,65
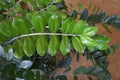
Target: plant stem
37,34
19,1
47,6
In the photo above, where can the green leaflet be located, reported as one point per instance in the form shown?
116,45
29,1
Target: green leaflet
3,32
54,45
102,46
57,1
29,16
20,25
7,29
43,3
47,1
79,27
90,31
38,75
3,38
64,24
70,26
52,9
46,15
3,29
102,42
67,25
77,44
88,41
18,49
29,75
42,45
102,39
65,45
33,4
19,72
54,23
80,70
90,70
91,48
38,22
62,15
17,7
29,46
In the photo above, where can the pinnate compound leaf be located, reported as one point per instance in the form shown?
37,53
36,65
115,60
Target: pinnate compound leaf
38,22
29,46
90,31
54,23
77,44
18,49
54,45
42,45
65,45
79,27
